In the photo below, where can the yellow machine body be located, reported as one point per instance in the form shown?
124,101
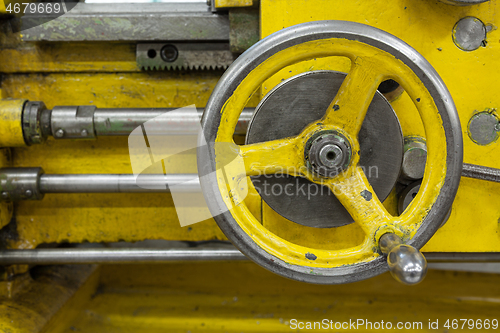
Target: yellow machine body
230,297
427,26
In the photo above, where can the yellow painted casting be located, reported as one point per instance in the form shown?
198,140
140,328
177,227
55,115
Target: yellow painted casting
11,130
232,3
198,297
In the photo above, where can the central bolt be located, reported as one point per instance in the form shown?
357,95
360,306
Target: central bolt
328,153
331,156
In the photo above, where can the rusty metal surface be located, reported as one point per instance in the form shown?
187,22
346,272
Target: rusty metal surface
236,297
481,172
129,22
45,292
189,56
244,28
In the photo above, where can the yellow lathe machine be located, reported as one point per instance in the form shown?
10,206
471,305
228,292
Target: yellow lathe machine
249,166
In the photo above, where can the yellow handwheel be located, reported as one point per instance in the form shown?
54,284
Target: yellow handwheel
327,151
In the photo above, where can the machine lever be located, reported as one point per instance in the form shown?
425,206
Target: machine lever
406,263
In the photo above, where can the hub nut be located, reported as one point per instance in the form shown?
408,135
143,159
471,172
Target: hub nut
328,153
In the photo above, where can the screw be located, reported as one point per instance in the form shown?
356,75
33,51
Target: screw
28,193
5,195
497,127
169,53
84,133
59,133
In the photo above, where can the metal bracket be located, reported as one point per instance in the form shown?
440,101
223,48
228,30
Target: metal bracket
73,122
20,184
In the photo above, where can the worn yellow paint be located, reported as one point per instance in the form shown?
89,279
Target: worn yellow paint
340,64
348,109
152,298
369,67
236,296
108,77
14,281
6,208
321,238
106,217
61,57
11,129
71,307
241,296
31,308
233,3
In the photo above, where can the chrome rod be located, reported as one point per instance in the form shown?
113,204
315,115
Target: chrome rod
118,183
150,255
115,122
463,256
87,122
121,255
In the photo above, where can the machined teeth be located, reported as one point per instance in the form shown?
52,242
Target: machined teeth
193,67
184,56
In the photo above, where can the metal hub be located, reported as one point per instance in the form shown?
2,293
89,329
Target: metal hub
294,104
328,153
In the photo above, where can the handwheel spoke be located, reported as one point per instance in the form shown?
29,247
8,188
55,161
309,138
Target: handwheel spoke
357,196
349,107
278,156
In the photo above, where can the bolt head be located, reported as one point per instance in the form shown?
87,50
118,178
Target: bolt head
28,193
414,160
59,133
483,128
84,133
5,195
169,53
331,156
469,34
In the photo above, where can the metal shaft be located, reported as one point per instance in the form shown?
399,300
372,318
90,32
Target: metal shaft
120,183
111,122
122,255
88,122
114,122
149,255
481,172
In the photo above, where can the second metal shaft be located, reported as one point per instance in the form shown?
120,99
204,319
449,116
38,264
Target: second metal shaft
119,183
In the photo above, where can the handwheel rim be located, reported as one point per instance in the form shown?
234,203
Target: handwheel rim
297,35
